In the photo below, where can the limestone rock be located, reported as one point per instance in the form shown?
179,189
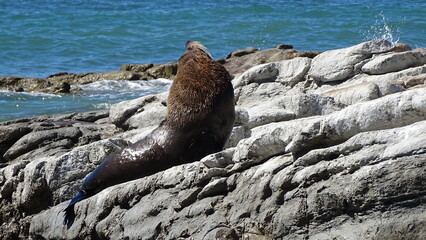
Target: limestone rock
307,159
293,71
394,62
335,65
287,72
354,94
139,113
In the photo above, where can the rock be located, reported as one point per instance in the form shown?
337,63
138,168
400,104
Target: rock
258,74
136,67
239,64
307,159
167,70
284,46
336,65
310,54
84,78
151,71
242,52
36,139
416,81
401,47
9,135
276,108
388,83
220,159
394,62
130,114
293,71
357,93
21,84
215,187
288,72
27,138
63,88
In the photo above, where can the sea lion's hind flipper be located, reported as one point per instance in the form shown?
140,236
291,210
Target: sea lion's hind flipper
69,214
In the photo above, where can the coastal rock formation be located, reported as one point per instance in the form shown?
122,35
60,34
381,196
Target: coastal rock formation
239,61
319,151
61,83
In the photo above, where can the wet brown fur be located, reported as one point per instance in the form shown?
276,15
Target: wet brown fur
200,117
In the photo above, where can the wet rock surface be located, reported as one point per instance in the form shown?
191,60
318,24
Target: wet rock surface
316,153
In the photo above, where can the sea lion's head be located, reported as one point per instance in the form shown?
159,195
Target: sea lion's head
194,46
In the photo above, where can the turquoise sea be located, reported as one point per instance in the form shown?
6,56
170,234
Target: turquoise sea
42,37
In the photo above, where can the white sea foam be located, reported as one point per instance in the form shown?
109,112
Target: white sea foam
30,94
102,105
117,87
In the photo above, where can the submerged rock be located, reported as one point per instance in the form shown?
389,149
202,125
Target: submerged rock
319,151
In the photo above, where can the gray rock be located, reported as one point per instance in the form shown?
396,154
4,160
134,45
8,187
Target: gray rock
288,72
388,83
10,134
214,188
121,112
149,114
258,74
348,164
394,62
336,65
293,71
34,140
354,94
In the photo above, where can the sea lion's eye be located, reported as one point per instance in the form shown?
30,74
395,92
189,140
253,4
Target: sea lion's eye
189,48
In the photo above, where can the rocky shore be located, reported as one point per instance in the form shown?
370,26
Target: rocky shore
327,145
236,63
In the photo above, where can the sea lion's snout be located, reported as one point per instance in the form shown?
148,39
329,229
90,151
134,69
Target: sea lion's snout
189,45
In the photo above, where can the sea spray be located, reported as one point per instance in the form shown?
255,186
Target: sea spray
382,29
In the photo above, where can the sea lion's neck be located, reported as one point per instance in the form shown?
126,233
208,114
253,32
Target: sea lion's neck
199,82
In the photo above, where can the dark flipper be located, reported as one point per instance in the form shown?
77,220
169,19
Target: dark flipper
69,214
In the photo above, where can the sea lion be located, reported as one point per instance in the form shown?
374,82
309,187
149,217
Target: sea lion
200,117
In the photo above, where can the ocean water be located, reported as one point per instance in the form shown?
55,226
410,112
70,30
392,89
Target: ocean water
42,37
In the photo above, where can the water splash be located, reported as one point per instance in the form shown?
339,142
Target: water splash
381,29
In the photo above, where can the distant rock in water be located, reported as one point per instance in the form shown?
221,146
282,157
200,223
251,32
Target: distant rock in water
329,147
